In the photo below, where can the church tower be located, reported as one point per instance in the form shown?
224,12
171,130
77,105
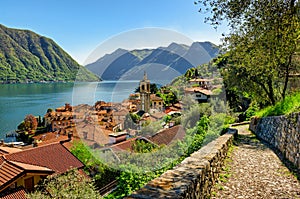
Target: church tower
145,93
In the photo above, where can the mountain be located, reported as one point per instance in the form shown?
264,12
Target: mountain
28,57
163,62
113,66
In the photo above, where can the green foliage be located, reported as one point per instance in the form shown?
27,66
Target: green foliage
168,97
49,110
251,111
191,73
102,173
196,135
150,129
167,118
30,123
153,89
28,57
150,162
288,105
141,146
261,48
131,178
69,185
131,121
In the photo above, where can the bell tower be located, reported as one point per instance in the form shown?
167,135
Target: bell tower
145,93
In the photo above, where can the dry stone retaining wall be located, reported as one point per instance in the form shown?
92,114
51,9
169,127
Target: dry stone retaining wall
194,177
282,132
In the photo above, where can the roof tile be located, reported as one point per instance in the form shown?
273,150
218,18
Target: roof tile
53,156
18,193
169,135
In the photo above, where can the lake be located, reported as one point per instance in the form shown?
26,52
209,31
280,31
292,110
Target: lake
18,100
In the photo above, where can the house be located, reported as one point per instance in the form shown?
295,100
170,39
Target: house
25,168
157,103
198,93
18,193
168,136
124,146
60,120
163,137
93,135
119,117
201,82
117,137
66,108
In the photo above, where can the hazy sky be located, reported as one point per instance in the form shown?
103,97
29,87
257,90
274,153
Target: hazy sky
80,26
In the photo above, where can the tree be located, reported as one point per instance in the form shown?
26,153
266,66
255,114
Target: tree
261,46
131,121
191,73
49,110
69,185
30,123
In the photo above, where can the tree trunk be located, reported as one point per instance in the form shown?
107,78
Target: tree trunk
271,92
286,80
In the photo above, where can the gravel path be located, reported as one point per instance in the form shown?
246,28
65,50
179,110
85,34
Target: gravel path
254,171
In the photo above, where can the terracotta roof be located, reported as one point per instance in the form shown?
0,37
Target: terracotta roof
171,108
53,156
8,172
198,90
124,146
167,136
6,150
48,138
153,97
31,167
200,80
94,133
17,193
158,115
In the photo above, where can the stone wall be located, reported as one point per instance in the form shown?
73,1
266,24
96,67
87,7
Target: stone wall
282,132
194,177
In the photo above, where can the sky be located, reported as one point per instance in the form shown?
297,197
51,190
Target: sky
81,26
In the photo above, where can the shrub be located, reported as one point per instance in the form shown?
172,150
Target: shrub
288,105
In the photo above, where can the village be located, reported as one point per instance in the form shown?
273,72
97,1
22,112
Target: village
104,126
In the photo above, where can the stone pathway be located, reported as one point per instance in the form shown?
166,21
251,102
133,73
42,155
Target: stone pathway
255,171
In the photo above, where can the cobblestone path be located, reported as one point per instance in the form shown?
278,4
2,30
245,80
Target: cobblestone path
254,171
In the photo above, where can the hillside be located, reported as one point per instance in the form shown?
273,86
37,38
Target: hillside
163,62
28,57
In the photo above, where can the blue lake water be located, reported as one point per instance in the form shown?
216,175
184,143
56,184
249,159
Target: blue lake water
18,100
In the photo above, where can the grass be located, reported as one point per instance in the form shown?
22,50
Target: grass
287,106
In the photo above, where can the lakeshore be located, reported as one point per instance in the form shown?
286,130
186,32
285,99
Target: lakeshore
18,100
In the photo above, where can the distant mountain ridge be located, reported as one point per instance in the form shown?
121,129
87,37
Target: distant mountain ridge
169,61
28,57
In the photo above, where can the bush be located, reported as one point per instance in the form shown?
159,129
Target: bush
68,185
288,105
